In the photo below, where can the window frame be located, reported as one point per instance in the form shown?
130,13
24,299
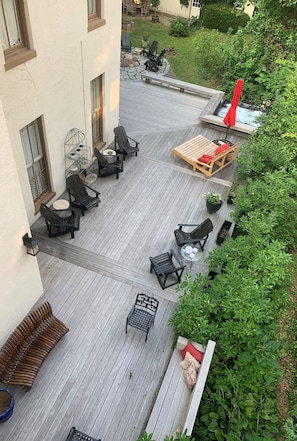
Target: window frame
22,52
95,20
47,194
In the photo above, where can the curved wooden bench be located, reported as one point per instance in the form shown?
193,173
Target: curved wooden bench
29,344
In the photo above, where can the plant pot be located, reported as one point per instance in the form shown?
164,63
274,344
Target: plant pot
230,200
213,208
155,18
144,43
6,405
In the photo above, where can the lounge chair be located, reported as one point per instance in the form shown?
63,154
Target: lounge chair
155,61
197,236
107,168
151,51
123,143
57,224
78,195
126,42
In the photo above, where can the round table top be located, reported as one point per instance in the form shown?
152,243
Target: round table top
61,204
109,152
191,252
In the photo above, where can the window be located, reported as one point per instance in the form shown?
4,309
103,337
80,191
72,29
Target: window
14,33
196,4
34,152
95,19
97,111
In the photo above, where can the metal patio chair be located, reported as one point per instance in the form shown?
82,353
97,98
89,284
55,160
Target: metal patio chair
78,195
142,315
197,236
76,435
168,268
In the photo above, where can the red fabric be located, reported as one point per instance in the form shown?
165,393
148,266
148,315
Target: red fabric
205,158
222,148
230,117
193,351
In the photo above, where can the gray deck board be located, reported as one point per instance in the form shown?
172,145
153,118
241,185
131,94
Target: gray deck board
97,377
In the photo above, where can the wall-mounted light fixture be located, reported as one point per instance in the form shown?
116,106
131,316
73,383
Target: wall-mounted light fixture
31,244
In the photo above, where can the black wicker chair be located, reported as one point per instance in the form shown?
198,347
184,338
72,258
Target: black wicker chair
168,268
197,236
106,168
123,143
142,315
58,225
78,195
152,50
155,61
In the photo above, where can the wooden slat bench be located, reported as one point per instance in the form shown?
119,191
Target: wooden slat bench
193,149
29,344
176,406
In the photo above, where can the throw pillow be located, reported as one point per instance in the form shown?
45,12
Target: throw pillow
193,351
188,360
222,148
190,376
205,158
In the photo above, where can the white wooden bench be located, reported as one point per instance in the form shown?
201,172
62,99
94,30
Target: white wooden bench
182,86
193,149
176,406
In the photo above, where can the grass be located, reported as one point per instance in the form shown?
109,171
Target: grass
185,63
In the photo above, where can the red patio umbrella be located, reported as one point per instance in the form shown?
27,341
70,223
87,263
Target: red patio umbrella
230,117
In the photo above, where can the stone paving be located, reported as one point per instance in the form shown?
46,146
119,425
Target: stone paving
132,65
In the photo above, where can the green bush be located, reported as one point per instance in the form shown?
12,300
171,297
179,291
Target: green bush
224,18
179,27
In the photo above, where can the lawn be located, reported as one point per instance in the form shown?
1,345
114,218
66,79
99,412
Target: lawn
185,60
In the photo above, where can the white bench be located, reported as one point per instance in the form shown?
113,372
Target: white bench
176,406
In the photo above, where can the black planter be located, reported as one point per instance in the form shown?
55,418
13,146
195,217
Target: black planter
6,405
213,208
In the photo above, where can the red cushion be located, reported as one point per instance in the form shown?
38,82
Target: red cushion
193,351
222,148
205,158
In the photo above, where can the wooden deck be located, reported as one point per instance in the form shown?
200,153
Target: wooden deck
98,378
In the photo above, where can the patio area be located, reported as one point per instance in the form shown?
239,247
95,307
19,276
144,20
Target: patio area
98,378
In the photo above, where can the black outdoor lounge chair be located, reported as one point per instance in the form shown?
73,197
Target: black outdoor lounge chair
58,225
168,268
155,61
126,42
151,51
122,142
142,315
197,236
78,195
76,435
107,168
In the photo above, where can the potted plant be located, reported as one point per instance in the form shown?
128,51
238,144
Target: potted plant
6,404
213,202
145,38
155,4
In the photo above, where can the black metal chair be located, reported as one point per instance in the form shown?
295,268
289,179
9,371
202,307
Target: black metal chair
78,195
123,143
106,168
58,225
142,315
168,268
75,435
152,50
197,236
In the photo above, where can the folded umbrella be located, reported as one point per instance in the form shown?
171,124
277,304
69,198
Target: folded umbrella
230,117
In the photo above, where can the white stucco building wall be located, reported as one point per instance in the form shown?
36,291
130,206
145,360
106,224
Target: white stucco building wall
173,7
54,85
